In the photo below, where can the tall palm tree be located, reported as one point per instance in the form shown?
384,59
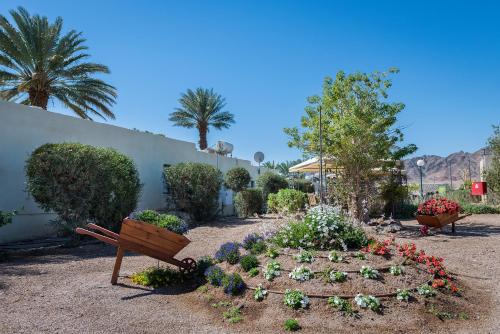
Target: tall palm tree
202,109
38,63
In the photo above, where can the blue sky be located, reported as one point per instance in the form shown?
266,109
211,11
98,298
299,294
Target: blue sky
266,57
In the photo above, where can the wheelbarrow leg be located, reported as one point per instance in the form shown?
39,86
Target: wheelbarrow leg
118,263
453,227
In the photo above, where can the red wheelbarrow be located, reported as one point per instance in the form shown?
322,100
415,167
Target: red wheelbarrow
146,239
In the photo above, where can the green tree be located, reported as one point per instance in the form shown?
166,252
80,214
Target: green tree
202,109
492,175
358,130
38,62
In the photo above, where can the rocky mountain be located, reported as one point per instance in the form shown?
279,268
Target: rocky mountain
437,169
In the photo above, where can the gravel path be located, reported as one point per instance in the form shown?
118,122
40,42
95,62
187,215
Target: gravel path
68,290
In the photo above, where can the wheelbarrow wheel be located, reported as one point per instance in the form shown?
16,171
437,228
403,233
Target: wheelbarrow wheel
188,266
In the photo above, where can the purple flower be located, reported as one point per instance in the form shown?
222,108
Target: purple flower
230,252
251,240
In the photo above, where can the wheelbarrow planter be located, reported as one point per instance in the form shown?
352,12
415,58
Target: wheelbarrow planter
438,221
146,239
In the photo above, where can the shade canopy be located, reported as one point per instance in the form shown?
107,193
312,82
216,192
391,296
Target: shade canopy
312,165
329,164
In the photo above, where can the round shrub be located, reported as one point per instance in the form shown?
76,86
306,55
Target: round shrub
215,275
287,201
203,263
195,189
271,183
229,252
82,183
248,262
233,284
248,202
291,325
170,222
237,179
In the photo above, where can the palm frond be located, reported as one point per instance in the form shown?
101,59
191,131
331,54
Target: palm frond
38,62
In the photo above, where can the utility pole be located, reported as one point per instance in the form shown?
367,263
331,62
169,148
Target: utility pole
470,175
320,158
451,178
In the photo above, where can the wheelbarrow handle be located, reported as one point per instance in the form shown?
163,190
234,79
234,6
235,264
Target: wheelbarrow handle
98,236
103,230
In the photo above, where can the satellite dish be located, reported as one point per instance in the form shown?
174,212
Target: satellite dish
258,157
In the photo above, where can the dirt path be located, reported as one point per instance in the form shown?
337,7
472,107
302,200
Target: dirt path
68,290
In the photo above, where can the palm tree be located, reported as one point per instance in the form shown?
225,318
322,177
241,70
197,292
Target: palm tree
202,109
38,63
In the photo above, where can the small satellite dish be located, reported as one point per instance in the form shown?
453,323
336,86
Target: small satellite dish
258,157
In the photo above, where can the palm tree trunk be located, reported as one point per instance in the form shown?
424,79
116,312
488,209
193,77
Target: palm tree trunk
202,129
39,98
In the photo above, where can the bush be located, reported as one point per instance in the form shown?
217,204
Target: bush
248,201
229,252
215,275
6,217
170,222
291,325
248,262
157,277
203,263
479,209
250,240
195,189
233,284
406,210
303,185
322,228
271,183
287,201
82,183
237,179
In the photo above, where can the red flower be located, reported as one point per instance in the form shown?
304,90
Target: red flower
436,206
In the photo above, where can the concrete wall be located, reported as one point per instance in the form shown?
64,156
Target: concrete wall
22,129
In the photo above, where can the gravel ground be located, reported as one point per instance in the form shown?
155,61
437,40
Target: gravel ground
68,290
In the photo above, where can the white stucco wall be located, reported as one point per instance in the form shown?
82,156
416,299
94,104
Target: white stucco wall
22,129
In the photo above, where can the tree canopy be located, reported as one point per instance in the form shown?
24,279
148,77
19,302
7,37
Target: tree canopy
359,129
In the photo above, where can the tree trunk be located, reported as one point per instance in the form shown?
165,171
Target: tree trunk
39,98
202,129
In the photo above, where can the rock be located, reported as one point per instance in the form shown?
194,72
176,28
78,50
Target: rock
393,227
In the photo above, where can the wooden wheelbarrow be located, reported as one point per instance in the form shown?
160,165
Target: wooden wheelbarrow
143,238
438,221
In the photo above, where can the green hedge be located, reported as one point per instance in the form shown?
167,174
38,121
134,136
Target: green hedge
195,189
286,201
271,183
248,201
83,183
478,209
237,179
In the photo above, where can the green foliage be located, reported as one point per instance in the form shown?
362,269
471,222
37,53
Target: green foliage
259,247
271,183
203,263
253,272
248,262
233,284
287,201
237,179
6,217
492,176
195,188
39,63
291,325
327,229
342,305
477,209
157,277
248,201
202,109
272,252
303,185
233,315
170,222
406,210
358,130
83,183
